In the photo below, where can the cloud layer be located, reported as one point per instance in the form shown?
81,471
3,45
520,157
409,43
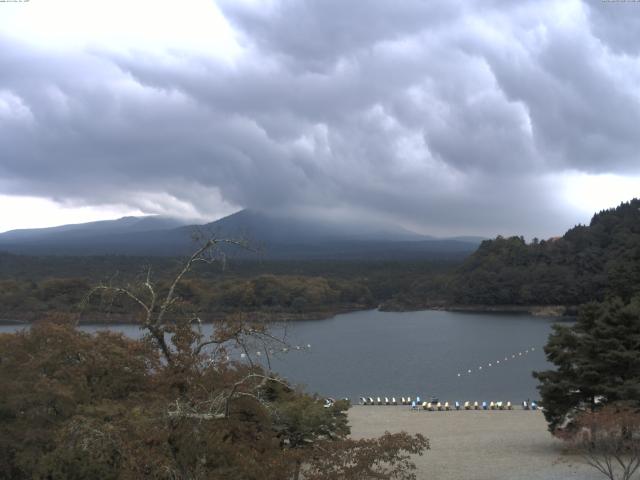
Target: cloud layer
445,116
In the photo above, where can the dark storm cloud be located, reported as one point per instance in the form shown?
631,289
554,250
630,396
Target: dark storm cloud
448,116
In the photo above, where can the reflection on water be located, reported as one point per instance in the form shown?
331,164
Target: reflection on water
410,353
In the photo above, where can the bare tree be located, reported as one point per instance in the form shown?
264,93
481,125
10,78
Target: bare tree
178,335
609,440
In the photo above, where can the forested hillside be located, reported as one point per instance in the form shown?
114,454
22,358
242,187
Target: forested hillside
31,286
587,263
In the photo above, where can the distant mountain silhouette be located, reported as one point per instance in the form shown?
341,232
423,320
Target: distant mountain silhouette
79,230
266,228
277,237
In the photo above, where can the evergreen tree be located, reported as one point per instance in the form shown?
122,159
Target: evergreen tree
597,360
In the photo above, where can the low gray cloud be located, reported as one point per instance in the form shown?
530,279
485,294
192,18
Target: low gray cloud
450,117
616,24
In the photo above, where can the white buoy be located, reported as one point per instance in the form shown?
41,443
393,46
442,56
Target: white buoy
458,374
469,371
489,364
480,367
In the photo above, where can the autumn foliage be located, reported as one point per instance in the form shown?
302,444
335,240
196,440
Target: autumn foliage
78,406
171,405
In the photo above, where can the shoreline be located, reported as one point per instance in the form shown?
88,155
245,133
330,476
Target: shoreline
129,319
554,311
535,310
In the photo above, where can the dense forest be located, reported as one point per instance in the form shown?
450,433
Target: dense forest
30,286
265,293
589,262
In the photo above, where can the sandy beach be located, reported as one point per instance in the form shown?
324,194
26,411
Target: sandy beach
477,445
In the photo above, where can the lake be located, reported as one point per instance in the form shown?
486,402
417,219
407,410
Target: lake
373,353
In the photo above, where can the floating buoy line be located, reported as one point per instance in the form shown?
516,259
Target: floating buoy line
270,351
497,363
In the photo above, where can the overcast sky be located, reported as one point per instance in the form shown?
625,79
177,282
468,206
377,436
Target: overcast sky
445,116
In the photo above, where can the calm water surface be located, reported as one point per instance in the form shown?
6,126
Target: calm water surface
372,353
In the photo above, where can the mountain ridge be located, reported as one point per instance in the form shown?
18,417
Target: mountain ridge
122,224
279,237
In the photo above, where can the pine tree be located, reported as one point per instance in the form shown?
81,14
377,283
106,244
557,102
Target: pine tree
597,360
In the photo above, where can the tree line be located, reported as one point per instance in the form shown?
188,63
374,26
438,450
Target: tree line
30,286
269,294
